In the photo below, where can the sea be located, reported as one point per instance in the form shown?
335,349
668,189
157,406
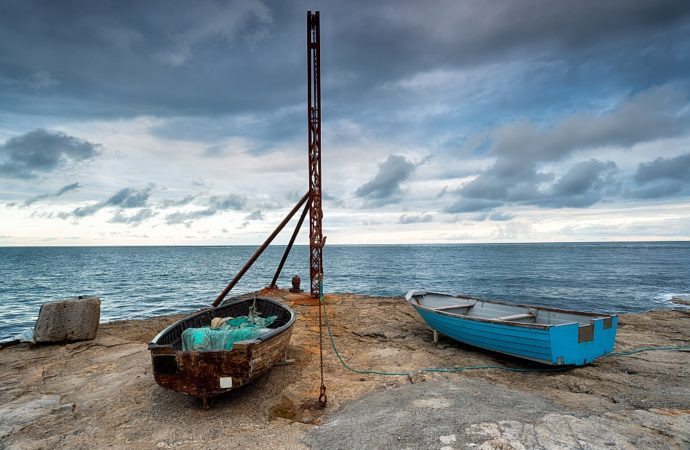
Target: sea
139,282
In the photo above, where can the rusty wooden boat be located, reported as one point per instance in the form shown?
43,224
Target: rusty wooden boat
205,374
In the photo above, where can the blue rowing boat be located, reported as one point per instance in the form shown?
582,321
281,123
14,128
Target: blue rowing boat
545,335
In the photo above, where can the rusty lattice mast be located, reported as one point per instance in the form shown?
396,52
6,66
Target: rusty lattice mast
313,197
316,238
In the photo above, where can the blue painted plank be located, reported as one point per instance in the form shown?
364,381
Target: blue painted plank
531,343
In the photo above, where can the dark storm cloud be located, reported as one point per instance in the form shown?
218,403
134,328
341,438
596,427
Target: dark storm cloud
41,152
126,198
202,58
156,58
58,193
385,186
216,204
415,218
564,55
505,26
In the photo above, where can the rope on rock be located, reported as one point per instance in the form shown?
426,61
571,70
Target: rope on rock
457,369
651,349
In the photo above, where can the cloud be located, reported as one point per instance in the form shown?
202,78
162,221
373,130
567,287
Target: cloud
41,152
582,185
500,216
582,177
256,215
227,202
332,201
522,149
168,203
659,189
129,198
464,205
58,193
125,199
216,204
134,219
43,79
677,168
415,218
663,177
494,216
214,151
653,114
166,61
218,20
187,217
384,188
514,107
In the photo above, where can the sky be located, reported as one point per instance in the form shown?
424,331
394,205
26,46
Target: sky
184,123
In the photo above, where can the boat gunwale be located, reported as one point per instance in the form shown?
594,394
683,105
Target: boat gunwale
154,345
413,293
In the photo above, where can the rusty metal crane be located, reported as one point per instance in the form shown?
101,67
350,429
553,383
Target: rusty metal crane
316,238
313,196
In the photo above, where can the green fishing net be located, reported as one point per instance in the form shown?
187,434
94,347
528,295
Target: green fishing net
243,328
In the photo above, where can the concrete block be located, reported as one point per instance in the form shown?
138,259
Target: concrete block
73,319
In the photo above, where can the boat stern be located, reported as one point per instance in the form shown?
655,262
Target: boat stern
580,344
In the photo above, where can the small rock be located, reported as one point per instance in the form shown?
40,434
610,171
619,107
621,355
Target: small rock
681,300
447,440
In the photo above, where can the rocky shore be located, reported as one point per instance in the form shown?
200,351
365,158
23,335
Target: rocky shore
101,394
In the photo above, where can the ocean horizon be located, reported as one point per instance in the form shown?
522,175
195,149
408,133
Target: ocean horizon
143,281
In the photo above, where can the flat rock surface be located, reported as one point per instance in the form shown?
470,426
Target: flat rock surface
479,414
101,393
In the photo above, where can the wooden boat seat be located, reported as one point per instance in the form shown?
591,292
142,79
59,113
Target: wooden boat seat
458,306
528,315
